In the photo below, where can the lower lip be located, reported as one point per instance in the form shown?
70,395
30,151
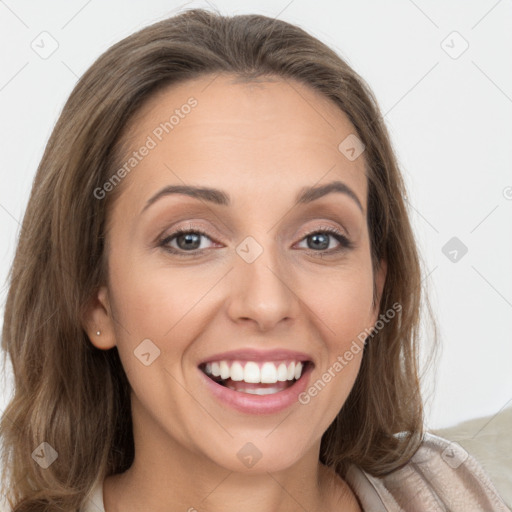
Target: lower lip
259,404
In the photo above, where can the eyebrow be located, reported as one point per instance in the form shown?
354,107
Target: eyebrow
306,194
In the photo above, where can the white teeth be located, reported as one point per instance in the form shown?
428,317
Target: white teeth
257,391
268,373
298,370
254,373
291,371
237,372
215,369
224,370
282,372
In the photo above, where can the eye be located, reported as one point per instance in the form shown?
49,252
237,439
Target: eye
320,240
186,241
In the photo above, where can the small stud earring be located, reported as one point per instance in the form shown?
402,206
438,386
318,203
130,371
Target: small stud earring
98,333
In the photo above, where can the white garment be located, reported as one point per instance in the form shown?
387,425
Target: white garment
440,477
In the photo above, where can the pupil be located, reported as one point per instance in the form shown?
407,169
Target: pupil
324,244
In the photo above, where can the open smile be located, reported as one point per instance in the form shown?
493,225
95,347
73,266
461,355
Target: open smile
257,387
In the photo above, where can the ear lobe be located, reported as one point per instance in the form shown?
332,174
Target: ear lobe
96,318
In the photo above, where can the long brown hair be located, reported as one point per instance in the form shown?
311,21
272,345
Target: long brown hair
75,397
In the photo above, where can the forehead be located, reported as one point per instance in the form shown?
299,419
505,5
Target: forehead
251,135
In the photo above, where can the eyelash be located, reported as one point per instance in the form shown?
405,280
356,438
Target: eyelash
345,243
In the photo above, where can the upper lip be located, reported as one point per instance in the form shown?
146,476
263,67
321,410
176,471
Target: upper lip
251,354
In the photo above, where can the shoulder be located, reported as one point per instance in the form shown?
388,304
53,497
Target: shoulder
440,476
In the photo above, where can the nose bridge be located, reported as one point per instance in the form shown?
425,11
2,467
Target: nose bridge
261,288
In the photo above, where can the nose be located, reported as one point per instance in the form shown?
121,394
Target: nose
262,291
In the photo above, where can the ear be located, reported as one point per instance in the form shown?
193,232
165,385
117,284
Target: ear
98,318
380,279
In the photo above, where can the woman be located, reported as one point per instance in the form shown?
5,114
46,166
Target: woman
214,303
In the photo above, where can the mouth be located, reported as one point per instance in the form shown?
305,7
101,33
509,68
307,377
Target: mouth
256,378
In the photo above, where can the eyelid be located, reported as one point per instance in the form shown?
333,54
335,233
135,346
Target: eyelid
191,225
323,227
330,216
187,226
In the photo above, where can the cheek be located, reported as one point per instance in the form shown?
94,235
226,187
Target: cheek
343,303
342,306
169,307
157,302
150,306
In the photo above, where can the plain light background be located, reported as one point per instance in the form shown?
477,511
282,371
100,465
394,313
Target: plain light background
442,74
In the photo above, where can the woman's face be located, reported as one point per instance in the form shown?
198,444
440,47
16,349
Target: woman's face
258,283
